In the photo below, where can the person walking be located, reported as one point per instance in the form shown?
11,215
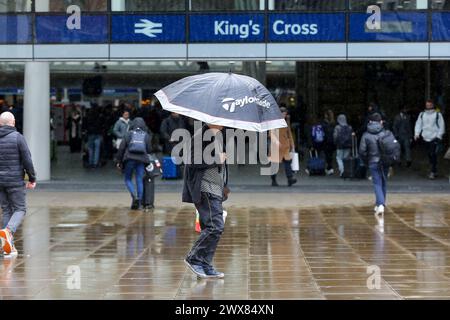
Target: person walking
430,126
369,151
132,158
15,161
403,131
205,185
168,126
121,128
94,126
74,127
342,137
328,125
285,142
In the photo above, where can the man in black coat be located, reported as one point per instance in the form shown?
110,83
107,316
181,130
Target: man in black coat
15,161
205,185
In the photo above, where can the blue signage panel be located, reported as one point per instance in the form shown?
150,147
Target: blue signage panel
54,29
398,26
306,27
227,28
441,26
15,29
148,28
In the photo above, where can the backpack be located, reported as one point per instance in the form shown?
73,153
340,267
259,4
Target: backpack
437,118
390,149
137,143
344,137
318,134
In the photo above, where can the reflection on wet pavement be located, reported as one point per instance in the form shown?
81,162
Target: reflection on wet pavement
305,253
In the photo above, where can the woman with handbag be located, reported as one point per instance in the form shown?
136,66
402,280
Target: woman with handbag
285,142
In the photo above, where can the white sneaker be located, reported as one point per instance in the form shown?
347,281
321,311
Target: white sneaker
375,209
330,172
14,253
380,210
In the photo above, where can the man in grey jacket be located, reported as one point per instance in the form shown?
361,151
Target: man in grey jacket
431,127
370,152
15,161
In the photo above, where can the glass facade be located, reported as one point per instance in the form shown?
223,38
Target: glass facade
15,6
148,5
230,5
440,5
62,5
309,5
389,5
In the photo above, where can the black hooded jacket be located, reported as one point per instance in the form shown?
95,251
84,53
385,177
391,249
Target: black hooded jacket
124,155
194,172
15,158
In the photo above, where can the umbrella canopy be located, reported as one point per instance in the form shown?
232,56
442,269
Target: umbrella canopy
225,99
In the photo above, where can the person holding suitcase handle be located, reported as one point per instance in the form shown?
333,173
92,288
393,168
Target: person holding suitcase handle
132,158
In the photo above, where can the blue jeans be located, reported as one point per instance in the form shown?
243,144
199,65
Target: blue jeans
379,180
212,225
94,144
12,201
133,166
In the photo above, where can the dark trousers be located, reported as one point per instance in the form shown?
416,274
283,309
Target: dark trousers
75,144
212,225
432,150
287,169
12,201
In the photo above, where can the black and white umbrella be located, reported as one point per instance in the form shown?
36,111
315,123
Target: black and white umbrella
224,99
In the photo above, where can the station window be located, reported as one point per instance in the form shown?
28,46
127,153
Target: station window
440,4
61,5
148,5
15,6
308,5
226,5
389,5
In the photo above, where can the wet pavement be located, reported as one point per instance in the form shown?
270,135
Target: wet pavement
316,252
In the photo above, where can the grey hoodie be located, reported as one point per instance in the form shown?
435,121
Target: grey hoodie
368,149
342,122
124,155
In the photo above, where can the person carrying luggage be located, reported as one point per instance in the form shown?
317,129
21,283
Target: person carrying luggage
285,142
380,150
132,158
342,137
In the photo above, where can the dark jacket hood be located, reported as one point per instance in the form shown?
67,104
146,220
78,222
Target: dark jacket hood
5,130
374,127
138,123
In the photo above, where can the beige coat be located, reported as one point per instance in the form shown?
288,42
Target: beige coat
286,144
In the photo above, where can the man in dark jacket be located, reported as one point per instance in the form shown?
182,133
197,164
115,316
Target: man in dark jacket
369,151
205,187
133,158
168,126
403,131
15,161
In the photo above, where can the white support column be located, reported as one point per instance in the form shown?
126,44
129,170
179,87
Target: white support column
36,118
118,5
42,5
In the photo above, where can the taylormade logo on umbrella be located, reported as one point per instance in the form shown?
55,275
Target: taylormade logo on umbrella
230,104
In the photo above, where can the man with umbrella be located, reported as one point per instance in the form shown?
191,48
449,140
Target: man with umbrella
219,100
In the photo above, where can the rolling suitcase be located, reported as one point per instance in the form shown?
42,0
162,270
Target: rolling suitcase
170,169
354,167
149,191
316,165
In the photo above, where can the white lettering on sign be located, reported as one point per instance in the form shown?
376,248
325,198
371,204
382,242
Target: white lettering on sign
225,28
374,21
74,20
296,29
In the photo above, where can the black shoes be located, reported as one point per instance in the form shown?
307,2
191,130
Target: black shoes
291,182
135,204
